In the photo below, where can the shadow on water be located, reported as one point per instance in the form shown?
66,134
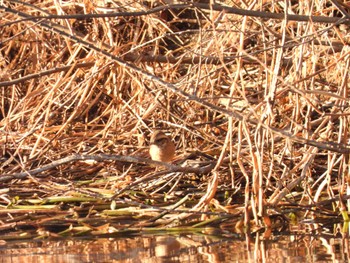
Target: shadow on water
281,247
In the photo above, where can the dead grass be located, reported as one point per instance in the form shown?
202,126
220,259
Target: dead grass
260,101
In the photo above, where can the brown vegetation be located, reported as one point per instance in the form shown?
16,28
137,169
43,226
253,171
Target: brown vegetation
255,100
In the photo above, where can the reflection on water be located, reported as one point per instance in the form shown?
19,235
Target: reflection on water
180,248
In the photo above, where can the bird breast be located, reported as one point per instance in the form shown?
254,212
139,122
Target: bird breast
163,152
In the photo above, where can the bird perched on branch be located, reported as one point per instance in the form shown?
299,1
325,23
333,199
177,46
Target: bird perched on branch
162,147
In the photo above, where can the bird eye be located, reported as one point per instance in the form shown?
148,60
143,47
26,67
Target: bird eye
161,140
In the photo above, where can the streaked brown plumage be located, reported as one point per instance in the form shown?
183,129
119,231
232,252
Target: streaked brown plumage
162,148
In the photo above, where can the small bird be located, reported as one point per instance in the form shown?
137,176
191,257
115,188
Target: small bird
162,148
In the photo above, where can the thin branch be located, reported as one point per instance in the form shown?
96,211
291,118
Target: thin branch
106,157
215,7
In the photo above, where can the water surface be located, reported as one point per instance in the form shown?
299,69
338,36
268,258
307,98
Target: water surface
182,248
